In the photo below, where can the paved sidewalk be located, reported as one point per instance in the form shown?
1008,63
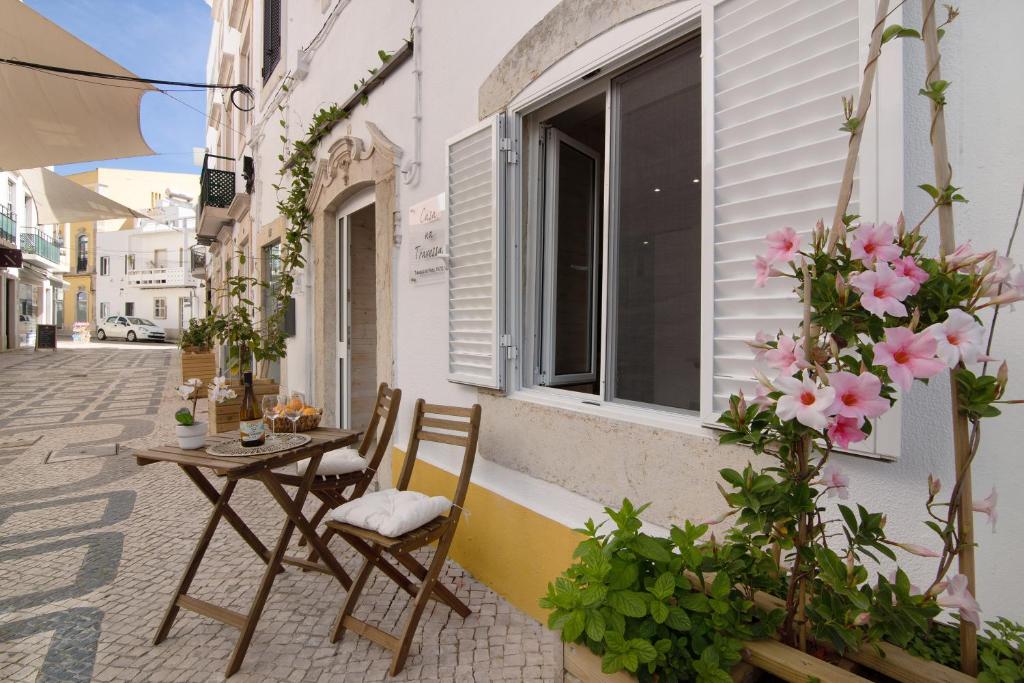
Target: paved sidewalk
91,549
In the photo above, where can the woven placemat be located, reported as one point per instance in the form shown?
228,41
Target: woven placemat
275,444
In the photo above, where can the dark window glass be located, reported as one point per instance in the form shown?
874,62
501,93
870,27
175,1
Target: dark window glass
271,36
657,258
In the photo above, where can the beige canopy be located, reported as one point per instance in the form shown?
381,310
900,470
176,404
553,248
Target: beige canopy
50,118
59,200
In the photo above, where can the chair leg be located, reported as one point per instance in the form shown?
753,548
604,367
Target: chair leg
409,630
440,590
353,594
325,507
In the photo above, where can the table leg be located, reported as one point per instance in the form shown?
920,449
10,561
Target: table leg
219,507
293,508
289,505
204,485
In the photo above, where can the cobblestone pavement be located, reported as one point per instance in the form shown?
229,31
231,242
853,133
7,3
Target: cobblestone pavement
92,547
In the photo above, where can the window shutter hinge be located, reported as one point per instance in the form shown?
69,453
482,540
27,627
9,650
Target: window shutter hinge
505,342
511,155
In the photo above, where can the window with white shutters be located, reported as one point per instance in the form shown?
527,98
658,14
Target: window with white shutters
476,191
774,76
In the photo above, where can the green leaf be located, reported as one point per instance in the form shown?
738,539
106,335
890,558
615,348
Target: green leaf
664,587
643,650
721,586
595,625
659,612
651,548
678,620
732,476
628,603
573,627
592,595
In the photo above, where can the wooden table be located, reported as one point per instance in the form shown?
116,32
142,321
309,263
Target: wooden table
259,467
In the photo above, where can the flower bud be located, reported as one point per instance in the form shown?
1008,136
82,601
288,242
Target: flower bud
915,318
862,619
901,226
934,486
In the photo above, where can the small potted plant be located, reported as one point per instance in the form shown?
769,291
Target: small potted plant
192,434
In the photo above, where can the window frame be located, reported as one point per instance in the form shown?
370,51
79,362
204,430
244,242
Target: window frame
523,293
157,303
104,266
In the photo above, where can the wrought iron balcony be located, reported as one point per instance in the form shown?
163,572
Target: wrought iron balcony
217,185
34,242
8,223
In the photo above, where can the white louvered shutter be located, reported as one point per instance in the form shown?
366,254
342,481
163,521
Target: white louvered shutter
476,191
777,71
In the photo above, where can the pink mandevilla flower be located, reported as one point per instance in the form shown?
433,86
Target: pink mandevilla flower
843,431
874,243
857,396
804,401
835,481
785,358
919,550
958,597
762,269
907,267
907,355
882,290
862,619
960,255
783,245
959,338
987,506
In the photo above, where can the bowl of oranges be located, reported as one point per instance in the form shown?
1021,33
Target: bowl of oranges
309,417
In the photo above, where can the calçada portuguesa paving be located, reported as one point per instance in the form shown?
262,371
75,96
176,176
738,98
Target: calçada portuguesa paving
92,547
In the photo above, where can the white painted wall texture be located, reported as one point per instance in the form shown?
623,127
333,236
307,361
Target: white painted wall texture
605,460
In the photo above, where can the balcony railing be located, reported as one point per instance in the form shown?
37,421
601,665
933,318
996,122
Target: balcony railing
198,261
8,223
35,242
156,277
217,186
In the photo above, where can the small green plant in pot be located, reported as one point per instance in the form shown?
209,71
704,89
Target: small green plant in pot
198,337
190,432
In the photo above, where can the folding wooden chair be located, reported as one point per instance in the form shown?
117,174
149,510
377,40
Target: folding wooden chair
330,486
373,546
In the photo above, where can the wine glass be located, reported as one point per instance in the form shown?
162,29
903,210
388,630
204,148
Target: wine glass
293,408
271,409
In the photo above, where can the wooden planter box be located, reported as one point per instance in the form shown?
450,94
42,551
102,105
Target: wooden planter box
224,416
201,364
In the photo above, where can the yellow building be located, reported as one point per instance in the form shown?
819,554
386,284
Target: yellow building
139,190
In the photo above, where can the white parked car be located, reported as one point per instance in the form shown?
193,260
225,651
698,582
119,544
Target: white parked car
130,328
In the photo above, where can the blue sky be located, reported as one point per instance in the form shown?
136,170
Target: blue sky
165,39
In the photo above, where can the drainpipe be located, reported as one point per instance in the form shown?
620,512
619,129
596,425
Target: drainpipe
411,172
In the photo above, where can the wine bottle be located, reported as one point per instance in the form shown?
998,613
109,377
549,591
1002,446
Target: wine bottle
250,417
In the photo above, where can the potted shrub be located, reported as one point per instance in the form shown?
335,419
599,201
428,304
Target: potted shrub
197,356
190,432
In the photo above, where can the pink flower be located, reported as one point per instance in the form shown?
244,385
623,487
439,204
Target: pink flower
907,267
785,358
783,245
836,483
718,519
959,597
882,290
862,619
914,589
761,399
760,344
907,355
762,268
918,550
804,400
871,244
959,338
988,507
842,431
857,396
960,255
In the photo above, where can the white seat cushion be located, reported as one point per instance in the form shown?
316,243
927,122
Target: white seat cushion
340,461
391,512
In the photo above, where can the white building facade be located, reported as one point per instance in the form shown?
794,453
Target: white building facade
147,271
552,210
33,293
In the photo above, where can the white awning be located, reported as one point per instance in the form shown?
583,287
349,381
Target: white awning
51,118
59,200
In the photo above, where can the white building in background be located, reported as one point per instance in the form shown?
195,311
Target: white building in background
32,293
147,272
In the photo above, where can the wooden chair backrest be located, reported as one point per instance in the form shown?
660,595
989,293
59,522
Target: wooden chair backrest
385,408
450,425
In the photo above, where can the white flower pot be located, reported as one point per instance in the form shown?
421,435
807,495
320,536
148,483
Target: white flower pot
191,436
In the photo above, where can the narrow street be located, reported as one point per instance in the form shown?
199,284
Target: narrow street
92,545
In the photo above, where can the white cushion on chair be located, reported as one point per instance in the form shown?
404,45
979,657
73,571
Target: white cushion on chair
340,461
391,512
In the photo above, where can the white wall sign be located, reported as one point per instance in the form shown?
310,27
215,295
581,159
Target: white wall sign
428,239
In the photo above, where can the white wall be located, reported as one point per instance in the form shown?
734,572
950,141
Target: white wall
463,41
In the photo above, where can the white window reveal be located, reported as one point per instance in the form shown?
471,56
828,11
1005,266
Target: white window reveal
475,167
774,75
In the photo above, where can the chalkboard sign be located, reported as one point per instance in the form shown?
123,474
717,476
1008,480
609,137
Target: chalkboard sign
46,337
